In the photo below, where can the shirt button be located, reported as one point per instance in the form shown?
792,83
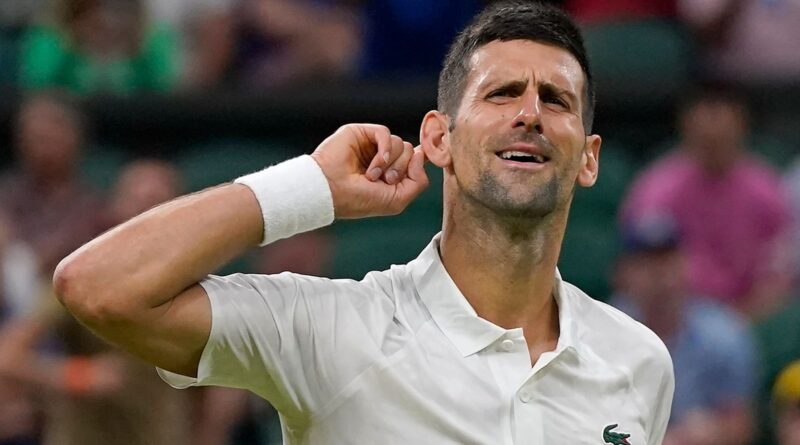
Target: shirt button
525,395
507,345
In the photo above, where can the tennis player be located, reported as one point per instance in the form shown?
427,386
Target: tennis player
477,341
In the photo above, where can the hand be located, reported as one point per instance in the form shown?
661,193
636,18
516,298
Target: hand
371,172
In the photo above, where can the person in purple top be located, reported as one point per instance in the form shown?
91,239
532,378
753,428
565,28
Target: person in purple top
729,206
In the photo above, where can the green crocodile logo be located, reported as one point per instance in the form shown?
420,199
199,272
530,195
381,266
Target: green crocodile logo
615,438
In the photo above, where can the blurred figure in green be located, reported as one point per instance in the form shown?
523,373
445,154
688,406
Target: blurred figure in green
99,47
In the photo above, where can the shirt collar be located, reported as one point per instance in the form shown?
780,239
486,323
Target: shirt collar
458,320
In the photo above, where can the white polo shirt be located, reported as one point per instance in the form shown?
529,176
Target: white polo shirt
402,358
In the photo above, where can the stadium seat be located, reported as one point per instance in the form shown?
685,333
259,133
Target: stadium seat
588,254
9,58
101,164
591,244
642,61
215,162
617,168
376,243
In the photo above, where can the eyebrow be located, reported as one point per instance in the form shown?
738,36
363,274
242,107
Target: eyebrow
523,83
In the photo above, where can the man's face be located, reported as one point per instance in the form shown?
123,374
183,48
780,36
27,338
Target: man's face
715,132
518,143
48,139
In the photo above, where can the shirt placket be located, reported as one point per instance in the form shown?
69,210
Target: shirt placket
528,412
510,364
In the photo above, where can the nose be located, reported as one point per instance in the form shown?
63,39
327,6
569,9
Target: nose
529,115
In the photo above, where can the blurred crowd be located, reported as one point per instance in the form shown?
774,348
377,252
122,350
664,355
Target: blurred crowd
707,232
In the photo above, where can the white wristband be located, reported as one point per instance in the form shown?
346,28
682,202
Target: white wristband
294,196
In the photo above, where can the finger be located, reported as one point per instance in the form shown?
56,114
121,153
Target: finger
397,170
386,158
416,180
381,137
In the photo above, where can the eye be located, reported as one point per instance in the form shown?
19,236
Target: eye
555,100
504,92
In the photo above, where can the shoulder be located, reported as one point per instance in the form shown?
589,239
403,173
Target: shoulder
612,336
761,178
371,298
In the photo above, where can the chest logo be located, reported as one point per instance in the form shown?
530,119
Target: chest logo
615,438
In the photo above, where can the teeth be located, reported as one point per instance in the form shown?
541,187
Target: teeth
510,154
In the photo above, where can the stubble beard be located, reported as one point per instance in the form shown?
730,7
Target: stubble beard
497,198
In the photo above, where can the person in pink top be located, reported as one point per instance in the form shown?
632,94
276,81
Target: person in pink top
729,205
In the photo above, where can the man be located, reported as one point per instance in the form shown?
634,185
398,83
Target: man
43,198
712,349
729,205
476,341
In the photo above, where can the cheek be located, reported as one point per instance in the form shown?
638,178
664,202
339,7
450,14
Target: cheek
567,128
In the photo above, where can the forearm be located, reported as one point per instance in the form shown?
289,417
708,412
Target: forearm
147,261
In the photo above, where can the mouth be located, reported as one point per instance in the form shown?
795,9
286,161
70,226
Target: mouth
522,157
523,154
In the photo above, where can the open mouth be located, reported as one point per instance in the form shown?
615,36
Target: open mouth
522,156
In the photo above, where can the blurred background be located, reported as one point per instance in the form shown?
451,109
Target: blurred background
109,107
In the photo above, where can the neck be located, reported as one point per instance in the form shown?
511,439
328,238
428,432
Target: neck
505,268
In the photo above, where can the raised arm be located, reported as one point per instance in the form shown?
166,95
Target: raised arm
136,285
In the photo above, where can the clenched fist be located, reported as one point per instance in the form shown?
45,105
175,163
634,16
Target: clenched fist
371,172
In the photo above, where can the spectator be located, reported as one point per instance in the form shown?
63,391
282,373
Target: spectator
712,350
598,11
19,281
749,42
17,14
99,46
206,34
729,206
786,404
283,41
98,395
43,199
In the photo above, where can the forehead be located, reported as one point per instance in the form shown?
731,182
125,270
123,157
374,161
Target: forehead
518,59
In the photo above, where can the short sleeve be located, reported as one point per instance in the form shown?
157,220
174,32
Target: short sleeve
294,340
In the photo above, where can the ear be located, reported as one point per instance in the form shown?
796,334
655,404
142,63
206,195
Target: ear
435,138
590,161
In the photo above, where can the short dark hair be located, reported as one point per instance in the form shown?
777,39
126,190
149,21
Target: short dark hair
714,92
513,20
